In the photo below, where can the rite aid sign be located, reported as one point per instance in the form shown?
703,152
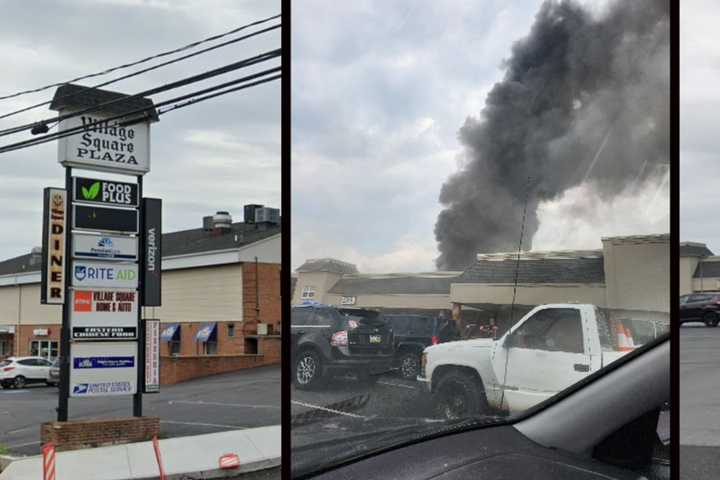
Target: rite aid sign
104,274
104,145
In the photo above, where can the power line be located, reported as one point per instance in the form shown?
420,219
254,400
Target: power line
154,67
144,60
80,128
163,88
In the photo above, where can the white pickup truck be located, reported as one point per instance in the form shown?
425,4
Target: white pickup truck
552,347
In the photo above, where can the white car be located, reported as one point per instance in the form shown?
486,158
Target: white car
20,371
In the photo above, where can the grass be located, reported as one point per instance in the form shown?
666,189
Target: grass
4,450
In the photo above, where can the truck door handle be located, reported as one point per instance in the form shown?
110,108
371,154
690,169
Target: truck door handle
581,367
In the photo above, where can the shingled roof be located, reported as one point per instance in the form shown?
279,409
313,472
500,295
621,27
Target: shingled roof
572,266
183,242
77,96
693,249
329,265
412,284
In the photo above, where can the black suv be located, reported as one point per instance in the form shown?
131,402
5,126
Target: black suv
327,340
700,307
413,332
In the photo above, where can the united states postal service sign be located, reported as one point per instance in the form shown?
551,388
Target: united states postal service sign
104,247
103,369
104,145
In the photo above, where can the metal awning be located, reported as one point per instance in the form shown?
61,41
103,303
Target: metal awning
169,332
206,332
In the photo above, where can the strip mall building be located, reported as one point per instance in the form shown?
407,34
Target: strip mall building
629,273
699,268
221,306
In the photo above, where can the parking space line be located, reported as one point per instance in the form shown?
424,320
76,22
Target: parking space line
219,404
411,387
198,424
325,409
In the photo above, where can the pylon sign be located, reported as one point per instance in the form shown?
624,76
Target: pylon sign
104,245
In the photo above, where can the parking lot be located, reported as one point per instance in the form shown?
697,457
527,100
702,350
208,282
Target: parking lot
699,402
245,399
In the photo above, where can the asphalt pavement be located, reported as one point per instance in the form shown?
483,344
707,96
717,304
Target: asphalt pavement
699,402
231,401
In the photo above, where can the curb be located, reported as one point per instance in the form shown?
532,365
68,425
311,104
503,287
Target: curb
6,460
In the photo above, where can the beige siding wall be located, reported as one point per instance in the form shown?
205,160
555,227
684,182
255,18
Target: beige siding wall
527,294
321,281
33,312
637,275
9,305
201,295
428,301
687,270
706,284
24,301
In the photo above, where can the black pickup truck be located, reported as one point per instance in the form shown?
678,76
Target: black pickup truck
327,341
412,333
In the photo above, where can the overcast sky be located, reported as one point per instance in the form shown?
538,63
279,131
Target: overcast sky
217,155
380,90
699,121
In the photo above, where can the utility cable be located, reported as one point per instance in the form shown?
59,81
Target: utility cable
163,88
144,60
81,128
148,69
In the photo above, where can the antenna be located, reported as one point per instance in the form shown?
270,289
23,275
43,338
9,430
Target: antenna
515,282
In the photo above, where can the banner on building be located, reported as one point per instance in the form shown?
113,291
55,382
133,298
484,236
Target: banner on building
152,356
104,247
104,274
105,192
103,369
152,287
52,289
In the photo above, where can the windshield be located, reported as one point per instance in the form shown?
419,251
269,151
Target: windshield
493,180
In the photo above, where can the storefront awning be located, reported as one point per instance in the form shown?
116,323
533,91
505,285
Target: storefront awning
7,328
169,332
206,332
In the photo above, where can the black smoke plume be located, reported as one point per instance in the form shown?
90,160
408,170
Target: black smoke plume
584,99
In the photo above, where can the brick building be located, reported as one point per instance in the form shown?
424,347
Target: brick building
221,306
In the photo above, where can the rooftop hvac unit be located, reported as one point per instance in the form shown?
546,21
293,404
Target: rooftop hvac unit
262,328
249,212
222,220
267,215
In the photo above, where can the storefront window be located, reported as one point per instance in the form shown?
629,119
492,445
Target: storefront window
44,348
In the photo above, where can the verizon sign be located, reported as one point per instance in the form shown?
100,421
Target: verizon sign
103,308
104,145
54,233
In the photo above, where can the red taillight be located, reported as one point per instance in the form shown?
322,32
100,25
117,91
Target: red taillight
435,340
7,369
339,339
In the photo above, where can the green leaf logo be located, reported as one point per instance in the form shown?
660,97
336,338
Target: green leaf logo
92,192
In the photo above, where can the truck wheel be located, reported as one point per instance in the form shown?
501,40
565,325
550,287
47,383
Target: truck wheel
409,363
308,370
710,319
460,395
